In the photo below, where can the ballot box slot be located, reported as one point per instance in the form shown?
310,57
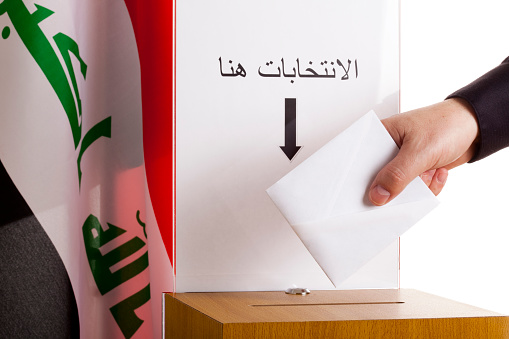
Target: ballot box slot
331,304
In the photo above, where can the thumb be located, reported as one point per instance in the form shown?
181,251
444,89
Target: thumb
396,175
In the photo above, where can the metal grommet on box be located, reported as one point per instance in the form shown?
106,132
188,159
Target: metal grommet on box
297,291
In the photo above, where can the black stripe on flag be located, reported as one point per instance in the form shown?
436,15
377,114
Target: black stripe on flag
36,297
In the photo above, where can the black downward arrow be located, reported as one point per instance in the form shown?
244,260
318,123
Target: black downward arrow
290,148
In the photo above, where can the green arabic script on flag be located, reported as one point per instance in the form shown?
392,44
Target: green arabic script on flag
26,25
95,237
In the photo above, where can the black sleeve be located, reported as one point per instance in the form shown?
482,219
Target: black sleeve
489,97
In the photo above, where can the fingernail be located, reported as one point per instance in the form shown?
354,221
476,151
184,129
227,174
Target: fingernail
379,195
442,177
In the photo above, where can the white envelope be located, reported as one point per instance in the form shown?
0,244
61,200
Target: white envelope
325,200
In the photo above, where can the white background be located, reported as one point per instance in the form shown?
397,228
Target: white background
461,250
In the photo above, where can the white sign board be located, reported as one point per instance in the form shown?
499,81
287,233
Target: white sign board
260,86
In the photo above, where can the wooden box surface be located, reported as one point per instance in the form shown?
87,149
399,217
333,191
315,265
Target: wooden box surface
327,314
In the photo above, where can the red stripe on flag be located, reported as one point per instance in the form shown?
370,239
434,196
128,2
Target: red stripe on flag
153,28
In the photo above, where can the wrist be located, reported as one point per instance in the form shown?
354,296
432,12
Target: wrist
467,119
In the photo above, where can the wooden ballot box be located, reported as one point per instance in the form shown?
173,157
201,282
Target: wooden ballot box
327,314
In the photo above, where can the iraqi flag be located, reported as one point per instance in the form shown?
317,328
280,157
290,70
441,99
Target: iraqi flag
85,181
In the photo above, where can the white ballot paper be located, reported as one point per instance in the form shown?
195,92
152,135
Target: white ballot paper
325,200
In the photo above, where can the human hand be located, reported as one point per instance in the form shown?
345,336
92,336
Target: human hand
432,140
